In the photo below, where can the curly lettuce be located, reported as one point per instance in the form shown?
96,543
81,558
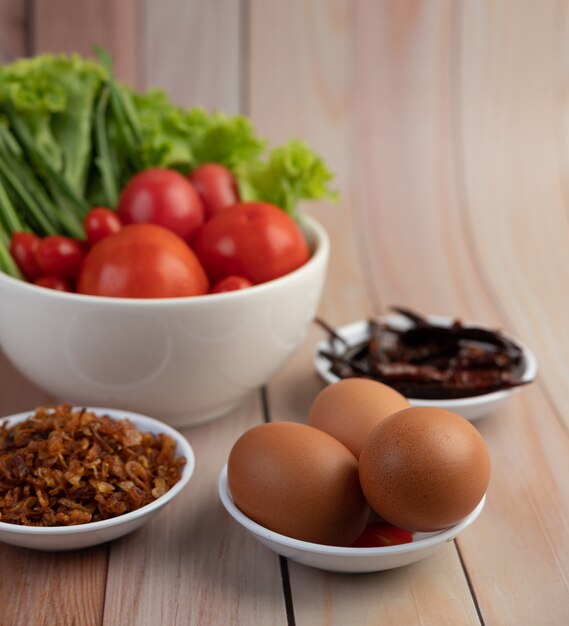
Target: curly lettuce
71,137
291,173
52,99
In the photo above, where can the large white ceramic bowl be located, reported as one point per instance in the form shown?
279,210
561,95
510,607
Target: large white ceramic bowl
471,408
183,360
93,533
347,560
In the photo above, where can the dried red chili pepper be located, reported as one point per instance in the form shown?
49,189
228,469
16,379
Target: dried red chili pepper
428,360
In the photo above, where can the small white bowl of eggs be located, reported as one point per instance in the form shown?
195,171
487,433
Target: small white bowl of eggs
366,460
346,560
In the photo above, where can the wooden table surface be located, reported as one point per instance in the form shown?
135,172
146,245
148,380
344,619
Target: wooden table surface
447,124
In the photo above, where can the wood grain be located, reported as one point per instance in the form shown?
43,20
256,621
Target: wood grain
408,595
409,210
511,109
52,588
515,554
14,23
79,25
508,108
192,49
300,78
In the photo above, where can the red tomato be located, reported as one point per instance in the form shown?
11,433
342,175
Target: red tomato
216,187
231,283
382,534
163,197
53,282
100,223
142,261
59,256
251,239
23,247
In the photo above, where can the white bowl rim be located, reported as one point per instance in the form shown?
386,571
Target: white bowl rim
358,328
306,546
322,247
141,422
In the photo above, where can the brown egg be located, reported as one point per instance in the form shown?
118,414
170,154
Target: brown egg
298,481
424,469
351,408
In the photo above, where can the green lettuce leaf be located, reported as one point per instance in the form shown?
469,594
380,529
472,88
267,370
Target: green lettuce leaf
71,137
54,97
182,138
291,173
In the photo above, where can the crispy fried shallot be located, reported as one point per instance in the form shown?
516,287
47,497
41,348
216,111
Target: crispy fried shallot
63,466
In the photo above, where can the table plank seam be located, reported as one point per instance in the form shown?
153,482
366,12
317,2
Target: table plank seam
287,591
469,583
283,561
244,43
265,405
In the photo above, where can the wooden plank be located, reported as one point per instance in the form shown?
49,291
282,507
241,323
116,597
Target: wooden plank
79,25
13,30
416,594
409,212
192,50
193,564
46,588
511,112
517,553
301,85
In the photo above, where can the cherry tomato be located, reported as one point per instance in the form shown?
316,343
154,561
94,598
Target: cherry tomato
231,283
23,247
100,223
142,261
53,282
163,197
382,534
216,187
59,256
255,240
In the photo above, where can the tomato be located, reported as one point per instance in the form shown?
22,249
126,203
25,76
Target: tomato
163,197
216,187
53,282
100,223
255,240
142,261
231,283
23,247
59,256
382,534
